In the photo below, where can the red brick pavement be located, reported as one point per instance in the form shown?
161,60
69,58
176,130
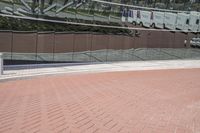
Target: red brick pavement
159,101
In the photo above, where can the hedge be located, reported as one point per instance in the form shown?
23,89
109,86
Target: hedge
7,23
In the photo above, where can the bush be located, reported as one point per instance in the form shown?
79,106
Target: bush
31,25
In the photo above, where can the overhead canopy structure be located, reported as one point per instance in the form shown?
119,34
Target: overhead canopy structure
65,6
26,5
49,8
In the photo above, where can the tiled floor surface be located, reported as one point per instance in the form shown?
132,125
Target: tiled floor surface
156,101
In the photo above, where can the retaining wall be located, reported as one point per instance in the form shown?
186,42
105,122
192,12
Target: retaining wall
50,42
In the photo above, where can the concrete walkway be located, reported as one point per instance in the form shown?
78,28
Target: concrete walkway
20,71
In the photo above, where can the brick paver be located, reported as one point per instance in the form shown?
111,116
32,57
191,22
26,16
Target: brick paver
156,101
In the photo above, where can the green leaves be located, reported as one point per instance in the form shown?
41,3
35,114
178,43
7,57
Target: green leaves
30,25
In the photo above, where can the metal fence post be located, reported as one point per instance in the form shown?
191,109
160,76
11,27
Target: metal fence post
1,63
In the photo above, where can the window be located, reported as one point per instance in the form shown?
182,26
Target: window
151,15
124,13
130,13
197,22
138,14
187,21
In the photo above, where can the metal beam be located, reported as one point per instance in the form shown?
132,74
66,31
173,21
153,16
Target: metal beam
26,5
65,6
20,10
49,8
79,4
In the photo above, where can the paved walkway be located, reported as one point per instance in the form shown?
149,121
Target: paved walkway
154,101
13,72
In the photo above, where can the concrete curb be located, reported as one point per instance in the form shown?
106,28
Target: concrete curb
18,72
